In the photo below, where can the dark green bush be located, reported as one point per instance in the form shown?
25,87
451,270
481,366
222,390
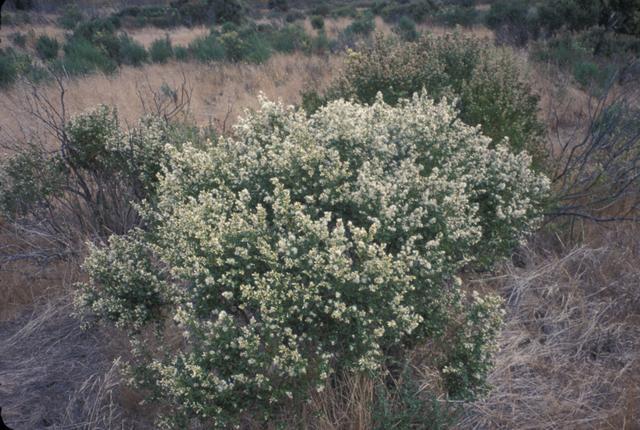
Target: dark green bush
363,25
457,15
18,39
512,21
401,403
30,179
281,5
564,51
97,29
8,71
317,22
347,11
321,9
181,53
131,52
320,44
289,39
591,75
81,56
406,29
47,47
417,10
228,10
71,17
294,16
245,44
161,50
206,49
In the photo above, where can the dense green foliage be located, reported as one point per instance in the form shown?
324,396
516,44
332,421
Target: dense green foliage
161,50
517,21
47,47
71,17
7,68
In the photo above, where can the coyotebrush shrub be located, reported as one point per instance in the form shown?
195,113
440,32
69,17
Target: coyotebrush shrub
406,29
88,185
71,17
47,47
317,22
363,24
8,72
486,81
131,52
27,180
161,50
305,247
81,56
206,49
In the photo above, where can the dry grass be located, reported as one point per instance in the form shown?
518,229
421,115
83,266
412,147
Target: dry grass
220,91
179,36
55,375
570,351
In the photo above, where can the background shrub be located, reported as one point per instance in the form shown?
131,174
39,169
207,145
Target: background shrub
487,82
85,187
206,49
71,17
131,52
18,39
81,56
317,22
181,53
406,29
245,44
302,248
228,10
345,11
161,50
289,38
281,5
363,25
47,47
321,9
8,70
457,15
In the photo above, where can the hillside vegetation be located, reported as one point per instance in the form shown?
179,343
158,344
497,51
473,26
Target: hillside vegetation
414,214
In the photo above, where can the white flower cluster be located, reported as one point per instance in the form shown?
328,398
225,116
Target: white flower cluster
306,246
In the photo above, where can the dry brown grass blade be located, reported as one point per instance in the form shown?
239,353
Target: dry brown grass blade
55,375
570,350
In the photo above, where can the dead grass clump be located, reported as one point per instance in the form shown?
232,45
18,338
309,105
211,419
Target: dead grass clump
570,350
53,374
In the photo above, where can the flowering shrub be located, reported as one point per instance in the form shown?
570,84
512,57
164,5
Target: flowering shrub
305,247
487,83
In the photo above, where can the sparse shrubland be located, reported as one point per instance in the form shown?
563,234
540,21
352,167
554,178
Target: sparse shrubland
433,230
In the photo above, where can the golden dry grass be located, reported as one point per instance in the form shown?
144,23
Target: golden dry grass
220,91
570,350
179,36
